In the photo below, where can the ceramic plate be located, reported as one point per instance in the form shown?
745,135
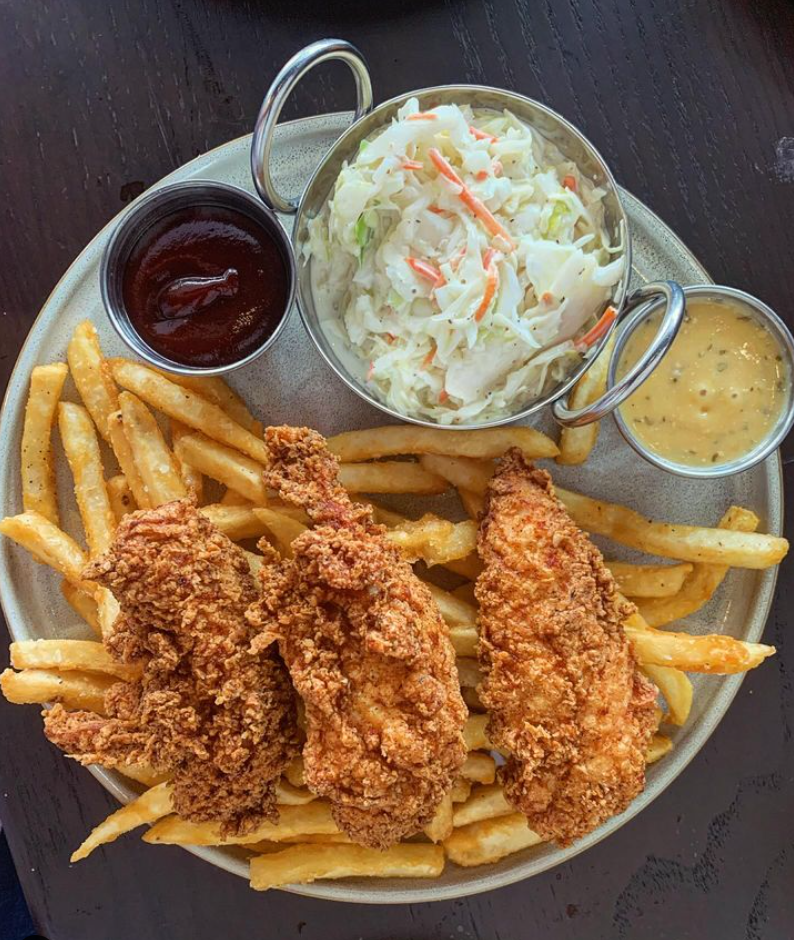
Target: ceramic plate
291,384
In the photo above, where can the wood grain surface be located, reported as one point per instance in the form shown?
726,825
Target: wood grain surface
692,104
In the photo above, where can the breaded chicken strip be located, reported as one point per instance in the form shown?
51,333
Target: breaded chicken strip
368,652
218,717
560,680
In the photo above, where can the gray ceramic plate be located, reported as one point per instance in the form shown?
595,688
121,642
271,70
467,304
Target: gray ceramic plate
291,384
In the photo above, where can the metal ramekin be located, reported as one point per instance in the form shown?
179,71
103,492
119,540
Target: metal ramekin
760,312
572,144
142,214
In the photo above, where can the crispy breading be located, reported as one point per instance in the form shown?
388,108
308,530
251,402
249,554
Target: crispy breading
560,680
367,651
207,709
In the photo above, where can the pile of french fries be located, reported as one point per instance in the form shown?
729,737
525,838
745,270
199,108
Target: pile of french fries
122,460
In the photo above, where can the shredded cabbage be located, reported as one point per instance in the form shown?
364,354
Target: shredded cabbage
449,312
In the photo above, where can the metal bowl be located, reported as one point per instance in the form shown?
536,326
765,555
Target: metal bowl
751,306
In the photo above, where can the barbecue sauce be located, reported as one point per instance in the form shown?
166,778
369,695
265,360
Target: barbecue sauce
206,286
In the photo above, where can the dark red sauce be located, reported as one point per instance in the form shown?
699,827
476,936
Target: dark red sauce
206,285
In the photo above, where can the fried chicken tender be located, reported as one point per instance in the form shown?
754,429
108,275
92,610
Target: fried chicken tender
566,700
219,717
367,651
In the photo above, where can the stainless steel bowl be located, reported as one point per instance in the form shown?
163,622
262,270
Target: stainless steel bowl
571,143
751,306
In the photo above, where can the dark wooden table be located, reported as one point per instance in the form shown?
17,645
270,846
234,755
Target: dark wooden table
692,104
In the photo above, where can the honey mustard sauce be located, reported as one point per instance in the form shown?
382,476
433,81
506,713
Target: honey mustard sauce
717,393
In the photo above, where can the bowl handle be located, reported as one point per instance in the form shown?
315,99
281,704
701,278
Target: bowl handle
274,101
617,393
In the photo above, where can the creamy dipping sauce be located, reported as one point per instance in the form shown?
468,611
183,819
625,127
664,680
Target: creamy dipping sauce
717,393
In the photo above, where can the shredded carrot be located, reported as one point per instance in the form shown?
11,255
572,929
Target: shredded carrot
569,182
454,263
437,210
477,206
547,297
371,370
488,257
482,175
592,336
443,395
490,290
390,338
498,169
422,116
482,135
427,271
412,165
429,358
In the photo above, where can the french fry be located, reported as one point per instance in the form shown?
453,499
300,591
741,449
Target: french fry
37,469
189,408
461,790
141,773
122,502
469,567
465,593
108,610
475,734
69,655
283,528
479,767
473,503
232,498
484,803
156,464
303,864
486,842
236,522
659,746
82,603
721,655
676,689
472,700
670,540
576,444
228,466
76,690
461,618
440,826
310,819
82,451
701,584
462,472
436,541
330,838
123,451
191,477
394,440
295,772
150,806
390,476
287,795
649,580
468,672
255,563
92,376
47,543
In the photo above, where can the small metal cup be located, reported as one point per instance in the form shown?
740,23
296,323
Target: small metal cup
153,207
763,314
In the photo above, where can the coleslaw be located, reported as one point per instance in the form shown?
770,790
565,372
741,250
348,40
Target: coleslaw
460,258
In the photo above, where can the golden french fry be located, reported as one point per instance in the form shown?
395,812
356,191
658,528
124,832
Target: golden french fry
224,464
487,841
69,655
659,746
670,540
484,803
295,772
473,503
701,584
436,541
649,580
468,672
92,377
37,469
284,528
310,819
236,522
676,689
302,864
469,567
82,451
156,465
76,690
122,502
150,806
472,700
48,544
461,618
141,773
355,446
462,472
108,610
255,563
722,655
232,498
465,593
461,790
440,826
331,838
287,795
189,408
475,733
479,767
191,477
390,476
82,603
576,444
123,451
